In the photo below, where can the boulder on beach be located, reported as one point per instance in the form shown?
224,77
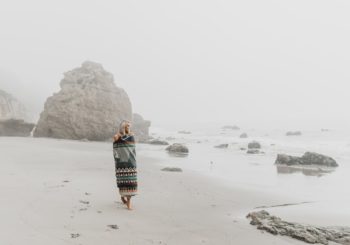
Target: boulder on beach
177,148
307,233
253,151
243,136
10,107
293,133
88,106
157,142
254,145
140,127
309,158
230,127
172,169
14,127
221,146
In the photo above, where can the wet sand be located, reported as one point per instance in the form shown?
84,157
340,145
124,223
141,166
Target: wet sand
64,192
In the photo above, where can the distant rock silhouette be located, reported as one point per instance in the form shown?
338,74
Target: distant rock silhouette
10,107
88,106
140,127
14,127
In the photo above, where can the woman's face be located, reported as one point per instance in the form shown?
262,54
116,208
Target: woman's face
127,127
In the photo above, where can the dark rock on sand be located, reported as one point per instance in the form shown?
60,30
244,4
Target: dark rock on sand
253,151
177,148
293,133
140,127
254,145
114,227
14,127
309,158
307,233
243,136
89,105
157,142
172,169
222,146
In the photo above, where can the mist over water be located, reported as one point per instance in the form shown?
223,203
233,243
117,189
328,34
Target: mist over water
257,64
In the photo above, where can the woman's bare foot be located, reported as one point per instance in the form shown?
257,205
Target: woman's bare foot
123,200
128,203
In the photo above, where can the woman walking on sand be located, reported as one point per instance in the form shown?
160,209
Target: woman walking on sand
125,162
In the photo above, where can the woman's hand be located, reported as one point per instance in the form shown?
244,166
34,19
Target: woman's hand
116,137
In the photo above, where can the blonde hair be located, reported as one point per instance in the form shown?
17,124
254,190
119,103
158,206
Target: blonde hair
122,127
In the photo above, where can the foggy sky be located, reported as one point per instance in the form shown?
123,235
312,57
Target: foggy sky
252,62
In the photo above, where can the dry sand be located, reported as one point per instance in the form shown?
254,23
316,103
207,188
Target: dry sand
64,192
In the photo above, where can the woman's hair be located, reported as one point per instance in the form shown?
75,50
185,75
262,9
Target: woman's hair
122,127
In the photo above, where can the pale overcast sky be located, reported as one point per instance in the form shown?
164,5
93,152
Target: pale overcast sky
251,62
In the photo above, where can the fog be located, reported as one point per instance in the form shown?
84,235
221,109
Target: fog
252,63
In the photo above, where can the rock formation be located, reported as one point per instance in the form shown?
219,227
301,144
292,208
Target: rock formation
10,108
243,136
308,159
307,233
254,145
88,106
14,127
177,148
140,127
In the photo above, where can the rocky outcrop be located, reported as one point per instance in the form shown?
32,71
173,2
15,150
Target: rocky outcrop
88,106
243,136
177,148
14,127
309,158
10,108
307,233
254,145
140,128
293,133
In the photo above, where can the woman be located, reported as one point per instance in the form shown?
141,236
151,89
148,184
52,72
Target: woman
125,163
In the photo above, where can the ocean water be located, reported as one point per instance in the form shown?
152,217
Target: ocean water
234,167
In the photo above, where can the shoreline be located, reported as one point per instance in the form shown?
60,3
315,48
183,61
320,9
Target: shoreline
55,189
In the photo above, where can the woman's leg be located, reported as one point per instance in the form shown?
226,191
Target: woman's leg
123,199
128,202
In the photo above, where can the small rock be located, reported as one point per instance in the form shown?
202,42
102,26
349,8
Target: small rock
114,227
254,145
293,133
74,235
253,151
244,135
221,146
158,142
84,202
172,169
178,148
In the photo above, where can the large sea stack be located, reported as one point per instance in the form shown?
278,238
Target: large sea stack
88,106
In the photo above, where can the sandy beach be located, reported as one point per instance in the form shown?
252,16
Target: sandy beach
64,192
